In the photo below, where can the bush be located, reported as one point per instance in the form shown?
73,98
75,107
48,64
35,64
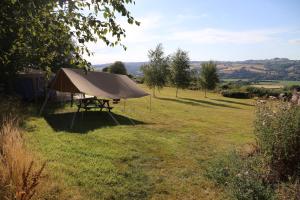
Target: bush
271,170
240,177
294,87
264,92
277,128
235,94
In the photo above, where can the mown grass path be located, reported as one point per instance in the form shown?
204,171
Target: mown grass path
163,157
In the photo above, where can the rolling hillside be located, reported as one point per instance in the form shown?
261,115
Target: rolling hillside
273,69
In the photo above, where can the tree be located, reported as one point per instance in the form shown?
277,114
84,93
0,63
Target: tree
49,34
156,71
208,76
105,69
180,70
117,68
194,83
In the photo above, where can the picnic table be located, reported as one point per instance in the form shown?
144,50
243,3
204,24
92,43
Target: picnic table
94,102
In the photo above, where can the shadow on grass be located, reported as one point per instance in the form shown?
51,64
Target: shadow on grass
228,101
86,121
209,103
180,101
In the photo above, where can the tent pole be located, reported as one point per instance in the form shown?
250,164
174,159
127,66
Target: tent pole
73,119
132,122
74,116
115,120
124,105
72,99
150,103
44,104
47,96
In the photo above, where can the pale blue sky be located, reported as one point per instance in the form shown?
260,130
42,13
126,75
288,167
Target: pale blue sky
210,30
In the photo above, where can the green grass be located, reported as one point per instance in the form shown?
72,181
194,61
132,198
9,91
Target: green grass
163,157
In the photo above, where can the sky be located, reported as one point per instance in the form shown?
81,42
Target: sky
223,30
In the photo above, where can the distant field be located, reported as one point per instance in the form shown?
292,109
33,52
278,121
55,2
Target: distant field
275,84
289,83
268,86
234,79
163,157
271,84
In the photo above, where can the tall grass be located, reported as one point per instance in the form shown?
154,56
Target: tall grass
20,174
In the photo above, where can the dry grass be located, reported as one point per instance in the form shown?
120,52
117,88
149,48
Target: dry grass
20,174
289,191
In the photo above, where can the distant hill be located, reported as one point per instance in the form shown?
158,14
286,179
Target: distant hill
269,69
132,67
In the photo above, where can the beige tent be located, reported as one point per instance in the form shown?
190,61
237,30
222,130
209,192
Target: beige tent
99,84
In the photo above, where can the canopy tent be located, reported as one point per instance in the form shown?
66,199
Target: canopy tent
99,84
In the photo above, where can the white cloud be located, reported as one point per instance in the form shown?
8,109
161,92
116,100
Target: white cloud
216,36
146,32
138,40
184,17
295,41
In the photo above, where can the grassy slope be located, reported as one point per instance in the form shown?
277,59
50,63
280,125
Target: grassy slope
163,157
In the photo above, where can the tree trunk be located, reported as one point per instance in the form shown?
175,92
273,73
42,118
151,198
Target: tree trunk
176,92
205,93
153,92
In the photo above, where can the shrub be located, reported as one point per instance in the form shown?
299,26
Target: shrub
235,94
271,170
294,87
277,129
240,177
264,92
225,86
19,173
258,92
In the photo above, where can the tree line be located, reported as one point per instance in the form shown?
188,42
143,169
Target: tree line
175,70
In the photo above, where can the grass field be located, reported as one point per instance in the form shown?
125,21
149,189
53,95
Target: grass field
163,157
